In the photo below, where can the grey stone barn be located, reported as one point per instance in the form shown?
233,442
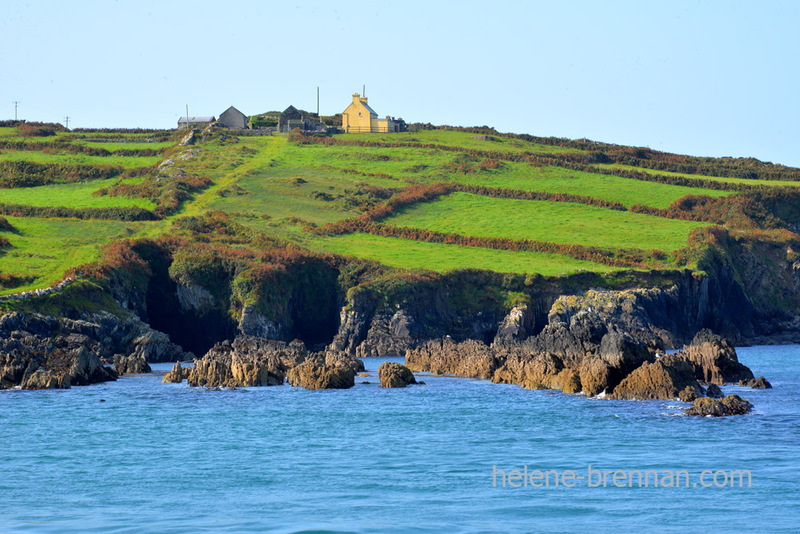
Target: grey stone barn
292,118
233,118
182,122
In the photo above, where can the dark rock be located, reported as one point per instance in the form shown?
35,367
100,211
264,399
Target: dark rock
713,391
756,383
730,405
42,352
395,375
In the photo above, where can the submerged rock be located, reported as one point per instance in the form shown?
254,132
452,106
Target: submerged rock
730,405
714,391
756,383
395,375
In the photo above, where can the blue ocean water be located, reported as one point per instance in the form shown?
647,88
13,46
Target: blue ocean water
140,456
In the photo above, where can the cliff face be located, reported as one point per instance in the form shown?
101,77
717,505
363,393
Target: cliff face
665,317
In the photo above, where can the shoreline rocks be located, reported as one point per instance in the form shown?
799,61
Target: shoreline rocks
177,375
730,405
395,375
133,364
252,361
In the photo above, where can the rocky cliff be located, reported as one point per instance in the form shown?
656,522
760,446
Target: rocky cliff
40,351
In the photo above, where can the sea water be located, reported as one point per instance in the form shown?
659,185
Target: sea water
137,455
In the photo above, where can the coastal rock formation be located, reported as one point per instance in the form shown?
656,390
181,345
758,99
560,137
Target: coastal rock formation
247,361
715,359
665,378
253,323
133,364
730,405
515,327
253,361
315,374
31,361
469,359
177,375
395,375
44,359
689,394
756,383
714,391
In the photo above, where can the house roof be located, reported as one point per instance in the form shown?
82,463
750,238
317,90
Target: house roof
197,119
232,109
372,111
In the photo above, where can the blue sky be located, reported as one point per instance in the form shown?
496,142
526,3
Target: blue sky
701,78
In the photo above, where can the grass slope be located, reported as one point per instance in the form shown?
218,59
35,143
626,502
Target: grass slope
558,222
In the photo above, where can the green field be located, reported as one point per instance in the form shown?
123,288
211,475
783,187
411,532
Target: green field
441,257
117,145
46,248
77,195
278,188
557,222
746,181
552,179
463,140
126,162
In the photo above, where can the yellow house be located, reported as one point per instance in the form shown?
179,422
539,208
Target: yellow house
360,118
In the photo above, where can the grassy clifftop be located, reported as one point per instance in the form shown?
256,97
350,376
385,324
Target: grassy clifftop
433,200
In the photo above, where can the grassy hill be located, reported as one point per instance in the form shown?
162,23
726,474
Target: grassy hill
437,200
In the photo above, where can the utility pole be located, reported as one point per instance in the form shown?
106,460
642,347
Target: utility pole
66,120
187,115
318,102
16,103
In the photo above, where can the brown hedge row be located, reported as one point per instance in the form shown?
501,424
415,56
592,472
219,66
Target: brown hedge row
117,214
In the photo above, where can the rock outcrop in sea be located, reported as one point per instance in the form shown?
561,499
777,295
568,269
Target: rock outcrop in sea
395,375
730,405
253,361
177,375
584,348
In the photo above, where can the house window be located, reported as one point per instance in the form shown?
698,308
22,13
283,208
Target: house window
359,113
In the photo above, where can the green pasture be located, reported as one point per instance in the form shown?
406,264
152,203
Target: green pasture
462,140
553,179
47,248
557,222
67,158
77,195
746,181
441,257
